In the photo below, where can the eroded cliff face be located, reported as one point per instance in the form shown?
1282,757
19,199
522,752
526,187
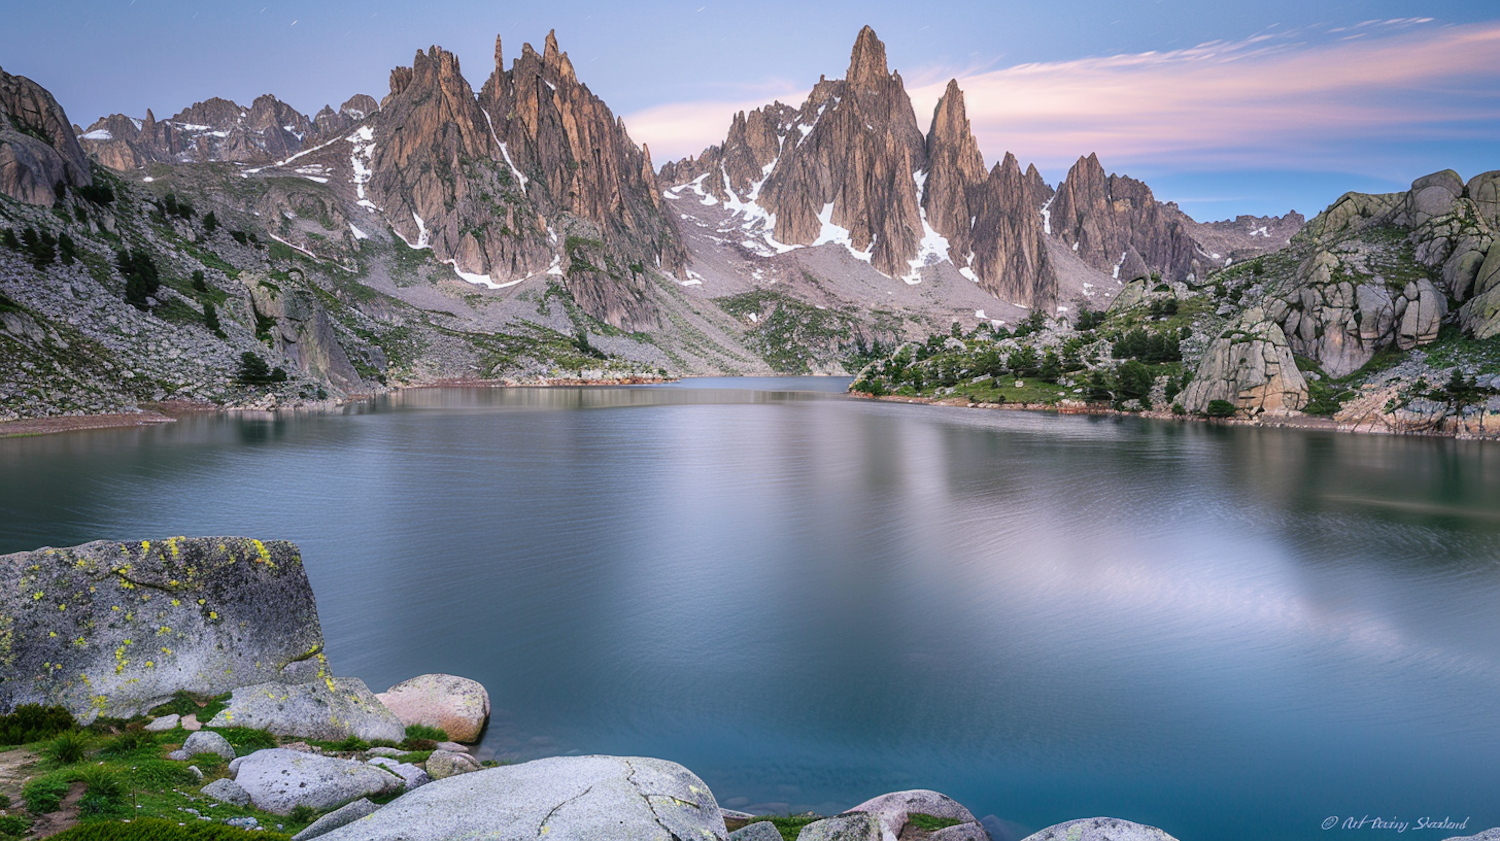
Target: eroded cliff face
37,147
1105,217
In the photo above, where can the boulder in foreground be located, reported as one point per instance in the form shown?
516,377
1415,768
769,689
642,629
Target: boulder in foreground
279,780
600,798
1100,829
328,710
116,628
456,705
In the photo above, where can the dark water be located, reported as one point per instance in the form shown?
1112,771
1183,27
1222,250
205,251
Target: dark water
809,600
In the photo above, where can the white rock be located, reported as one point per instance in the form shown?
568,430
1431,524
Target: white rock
337,818
166,722
226,791
582,797
279,780
1100,829
207,741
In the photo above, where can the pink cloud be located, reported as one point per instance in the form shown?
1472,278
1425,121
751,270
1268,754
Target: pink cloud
1288,100
1268,100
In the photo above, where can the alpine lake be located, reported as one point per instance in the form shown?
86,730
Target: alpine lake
809,599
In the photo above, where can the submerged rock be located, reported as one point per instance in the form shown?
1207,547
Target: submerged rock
456,705
583,797
327,710
116,628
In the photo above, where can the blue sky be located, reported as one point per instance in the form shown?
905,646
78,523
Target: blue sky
1225,108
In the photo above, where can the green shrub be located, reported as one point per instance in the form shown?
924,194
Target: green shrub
4,802
45,794
302,813
156,829
422,731
67,748
104,791
255,371
415,745
246,739
129,743
33,723
1220,409
13,826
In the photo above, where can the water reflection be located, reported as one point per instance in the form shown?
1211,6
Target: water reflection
1230,633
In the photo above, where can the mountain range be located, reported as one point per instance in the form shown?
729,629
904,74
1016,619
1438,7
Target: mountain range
445,233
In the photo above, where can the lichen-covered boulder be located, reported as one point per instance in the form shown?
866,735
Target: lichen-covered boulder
279,780
1432,196
1100,829
1484,190
1251,367
330,710
1481,314
600,798
456,705
854,826
895,809
117,628
1487,835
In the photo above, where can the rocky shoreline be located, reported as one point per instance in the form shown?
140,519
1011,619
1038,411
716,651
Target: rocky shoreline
1382,425
202,659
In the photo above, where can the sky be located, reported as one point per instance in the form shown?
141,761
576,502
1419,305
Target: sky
1226,109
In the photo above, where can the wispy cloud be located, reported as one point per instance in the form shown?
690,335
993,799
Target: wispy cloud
675,130
1277,99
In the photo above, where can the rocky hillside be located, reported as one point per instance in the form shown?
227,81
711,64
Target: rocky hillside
219,130
1380,315
851,168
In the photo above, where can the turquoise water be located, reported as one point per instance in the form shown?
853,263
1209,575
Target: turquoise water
809,600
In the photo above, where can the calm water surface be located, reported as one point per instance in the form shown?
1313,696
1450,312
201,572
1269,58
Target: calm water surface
809,600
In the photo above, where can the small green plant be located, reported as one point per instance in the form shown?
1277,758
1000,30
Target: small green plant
129,743
182,703
422,731
45,794
790,826
33,723
13,826
302,813
104,791
930,823
246,739
67,748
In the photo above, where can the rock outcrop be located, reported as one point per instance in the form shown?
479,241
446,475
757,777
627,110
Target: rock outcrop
855,826
894,811
563,797
219,130
116,628
533,175
1103,217
1100,829
456,705
303,331
337,818
329,709
1250,366
279,780
37,147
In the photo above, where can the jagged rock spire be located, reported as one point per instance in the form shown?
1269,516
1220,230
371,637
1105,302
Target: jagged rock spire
867,63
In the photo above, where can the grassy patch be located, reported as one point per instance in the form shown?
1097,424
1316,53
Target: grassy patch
45,794
422,731
246,740
790,826
156,829
930,823
1454,348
